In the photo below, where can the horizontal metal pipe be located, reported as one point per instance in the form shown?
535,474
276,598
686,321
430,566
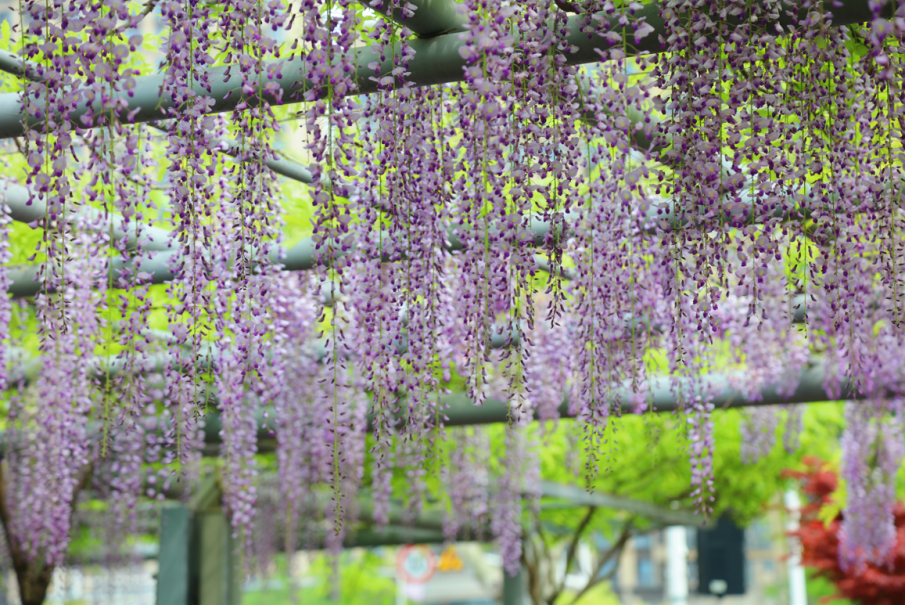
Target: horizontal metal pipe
301,257
282,166
21,207
459,410
430,18
25,209
661,398
25,279
436,61
19,67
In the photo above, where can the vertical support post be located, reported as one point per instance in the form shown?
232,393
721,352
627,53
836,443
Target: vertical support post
515,588
197,561
676,565
798,593
217,570
173,574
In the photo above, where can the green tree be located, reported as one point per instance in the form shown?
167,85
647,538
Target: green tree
646,461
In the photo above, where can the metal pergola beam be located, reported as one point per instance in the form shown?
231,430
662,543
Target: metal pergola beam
662,398
431,18
436,61
301,257
461,411
25,209
282,166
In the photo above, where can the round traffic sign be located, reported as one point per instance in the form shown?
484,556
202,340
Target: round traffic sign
416,563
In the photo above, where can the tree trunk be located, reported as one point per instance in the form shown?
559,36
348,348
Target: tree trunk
34,580
33,575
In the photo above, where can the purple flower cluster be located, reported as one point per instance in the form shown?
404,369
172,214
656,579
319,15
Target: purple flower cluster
51,449
872,453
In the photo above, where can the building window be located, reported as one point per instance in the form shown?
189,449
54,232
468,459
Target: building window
642,542
758,535
645,573
692,575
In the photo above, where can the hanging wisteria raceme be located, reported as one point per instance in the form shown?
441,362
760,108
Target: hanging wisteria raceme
479,206
312,423
419,228
248,226
6,360
116,170
48,104
118,474
118,182
375,302
303,453
758,432
872,452
192,164
307,429
467,474
401,214
519,483
530,63
548,371
51,449
134,442
329,33
346,426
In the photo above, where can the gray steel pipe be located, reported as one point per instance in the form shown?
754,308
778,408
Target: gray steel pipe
282,166
24,209
19,67
301,257
431,18
461,411
661,398
436,61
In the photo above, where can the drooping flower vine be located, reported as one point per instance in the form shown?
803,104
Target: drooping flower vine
872,452
191,141
52,449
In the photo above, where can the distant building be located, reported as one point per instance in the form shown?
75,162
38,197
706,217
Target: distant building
641,577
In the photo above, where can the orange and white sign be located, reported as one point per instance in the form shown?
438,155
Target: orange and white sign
416,563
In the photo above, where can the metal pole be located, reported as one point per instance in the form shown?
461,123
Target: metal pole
515,588
15,65
174,574
460,411
218,570
436,61
282,166
431,17
798,593
301,257
662,398
676,565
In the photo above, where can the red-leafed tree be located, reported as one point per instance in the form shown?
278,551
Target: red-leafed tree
875,585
